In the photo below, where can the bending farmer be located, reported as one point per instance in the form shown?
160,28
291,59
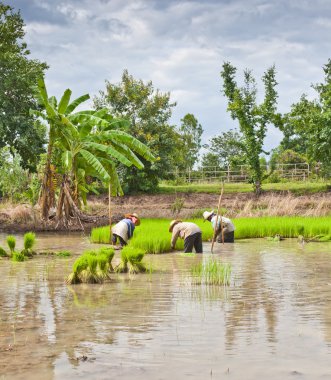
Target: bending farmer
190,232
228,226
123,230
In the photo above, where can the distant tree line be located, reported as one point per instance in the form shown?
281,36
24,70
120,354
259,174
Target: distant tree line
43,142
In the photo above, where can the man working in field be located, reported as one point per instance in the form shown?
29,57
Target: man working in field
190,232
222,222
123,230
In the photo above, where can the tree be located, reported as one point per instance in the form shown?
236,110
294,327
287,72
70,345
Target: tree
253,118
18,75
81,144
226,149
148,111
309,123
191,132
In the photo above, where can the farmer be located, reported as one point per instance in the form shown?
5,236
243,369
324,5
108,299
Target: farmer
227,225
123,230
190,232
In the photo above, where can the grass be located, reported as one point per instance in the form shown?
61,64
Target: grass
92,267
214,188
211,272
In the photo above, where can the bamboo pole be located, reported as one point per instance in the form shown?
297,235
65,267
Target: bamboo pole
216,222
109,212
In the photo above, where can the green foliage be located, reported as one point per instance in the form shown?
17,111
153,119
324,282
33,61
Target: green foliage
211,272
18,76
225,150
3,253
149,112
191,132
11,241
17,256
253,118
29,240
177,205
13,178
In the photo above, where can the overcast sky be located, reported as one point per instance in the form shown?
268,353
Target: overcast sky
180,46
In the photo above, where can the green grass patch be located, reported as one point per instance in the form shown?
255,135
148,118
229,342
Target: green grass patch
214,188
211,272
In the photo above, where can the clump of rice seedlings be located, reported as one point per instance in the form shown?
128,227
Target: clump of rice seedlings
100,235
325,238
29,242
92,267
17,256
64,253
131,260
3,253
11,241
211,272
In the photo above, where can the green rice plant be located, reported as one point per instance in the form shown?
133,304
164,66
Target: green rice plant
29,240
11,241
325,238
131,260
93,266
64,253
211,272
17,256
187,254
287,226
3,253
100,235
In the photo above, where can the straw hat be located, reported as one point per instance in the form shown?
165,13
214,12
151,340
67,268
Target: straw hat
207,214
173,223
134,215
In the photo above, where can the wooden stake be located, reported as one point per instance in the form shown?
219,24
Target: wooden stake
216,222
109,212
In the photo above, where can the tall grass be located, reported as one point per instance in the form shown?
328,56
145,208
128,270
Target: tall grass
211,272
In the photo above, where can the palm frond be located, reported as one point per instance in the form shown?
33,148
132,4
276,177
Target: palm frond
64,101
75,103
111,151
92,160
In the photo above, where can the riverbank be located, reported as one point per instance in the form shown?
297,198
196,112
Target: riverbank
24,217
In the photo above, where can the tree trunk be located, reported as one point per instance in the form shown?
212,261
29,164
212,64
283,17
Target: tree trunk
46,199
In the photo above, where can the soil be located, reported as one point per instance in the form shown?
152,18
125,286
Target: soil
24,217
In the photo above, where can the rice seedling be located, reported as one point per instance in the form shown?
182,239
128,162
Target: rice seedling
17,256
3,253
100,235
131,261
92,267
211,272
63,254
11,241
29,240
188,254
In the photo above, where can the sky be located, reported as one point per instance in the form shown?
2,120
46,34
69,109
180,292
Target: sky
180,46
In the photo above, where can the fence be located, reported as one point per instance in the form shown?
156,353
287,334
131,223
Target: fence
295,172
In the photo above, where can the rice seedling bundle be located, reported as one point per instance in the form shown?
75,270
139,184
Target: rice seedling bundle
211,272
93,266
131,260
17,256
11,241
29,240
3,253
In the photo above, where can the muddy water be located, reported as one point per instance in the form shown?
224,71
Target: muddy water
273,321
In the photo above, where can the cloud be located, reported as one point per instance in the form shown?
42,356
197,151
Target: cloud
180,45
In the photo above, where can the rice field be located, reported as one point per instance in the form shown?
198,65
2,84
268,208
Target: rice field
152,235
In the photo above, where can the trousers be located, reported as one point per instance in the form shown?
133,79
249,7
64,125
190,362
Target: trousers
195,241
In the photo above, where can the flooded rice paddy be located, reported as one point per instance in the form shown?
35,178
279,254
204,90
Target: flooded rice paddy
273,321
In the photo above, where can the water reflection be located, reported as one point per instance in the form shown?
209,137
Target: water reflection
160,325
